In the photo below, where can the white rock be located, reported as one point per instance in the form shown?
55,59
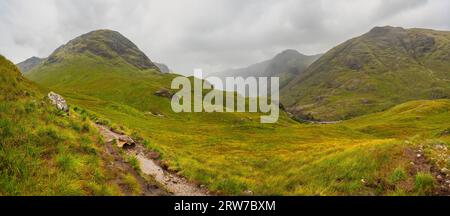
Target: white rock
58,101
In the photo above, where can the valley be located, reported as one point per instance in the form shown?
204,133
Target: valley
396,145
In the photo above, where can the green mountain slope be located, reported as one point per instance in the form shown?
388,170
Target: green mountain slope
45,152
103,64
286,65
375,71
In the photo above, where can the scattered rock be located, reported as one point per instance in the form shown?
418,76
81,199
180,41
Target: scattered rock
441,147
155,114
419,155
125,141
58,101
365,101
248,192
153,155
446,132
439,177
444,170
163,93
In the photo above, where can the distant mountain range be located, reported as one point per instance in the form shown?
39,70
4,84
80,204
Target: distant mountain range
30,64
162,67
286,65
366,74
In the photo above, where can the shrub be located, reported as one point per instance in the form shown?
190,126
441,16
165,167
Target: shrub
134,163
65,162
424,183
132,183
398,175
85,127
6,128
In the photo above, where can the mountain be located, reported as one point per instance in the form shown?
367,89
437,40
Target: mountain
382,68
103,64
43,151
162,67
285,65
29,64
106,44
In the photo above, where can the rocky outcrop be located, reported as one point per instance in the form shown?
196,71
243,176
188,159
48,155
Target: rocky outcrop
58,101
124,140
163,93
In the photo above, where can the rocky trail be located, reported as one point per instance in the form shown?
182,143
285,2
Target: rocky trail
173,183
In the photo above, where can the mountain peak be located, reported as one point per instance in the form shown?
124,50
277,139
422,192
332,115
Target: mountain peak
29,64
107,44
385,30
288,54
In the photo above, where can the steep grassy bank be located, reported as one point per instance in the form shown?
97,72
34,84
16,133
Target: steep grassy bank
45,152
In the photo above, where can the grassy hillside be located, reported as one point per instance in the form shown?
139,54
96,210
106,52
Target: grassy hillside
45,152
233,153
385,67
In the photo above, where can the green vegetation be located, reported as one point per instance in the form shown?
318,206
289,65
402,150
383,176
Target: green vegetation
424,183
134,163
232,153
371,73
42,150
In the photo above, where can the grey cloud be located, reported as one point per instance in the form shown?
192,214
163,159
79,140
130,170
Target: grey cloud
213,35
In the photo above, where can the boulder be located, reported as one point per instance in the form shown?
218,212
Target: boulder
125,141
58,101
163,93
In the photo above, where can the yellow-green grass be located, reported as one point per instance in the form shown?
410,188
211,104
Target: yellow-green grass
232,152
42,150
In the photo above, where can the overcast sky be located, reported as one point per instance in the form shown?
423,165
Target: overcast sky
208,34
